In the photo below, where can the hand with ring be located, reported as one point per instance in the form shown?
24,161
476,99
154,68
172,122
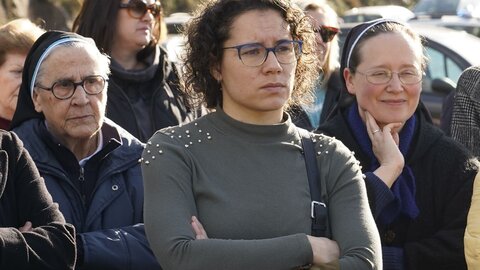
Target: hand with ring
385,148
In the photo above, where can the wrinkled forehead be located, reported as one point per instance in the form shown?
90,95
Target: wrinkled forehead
73,56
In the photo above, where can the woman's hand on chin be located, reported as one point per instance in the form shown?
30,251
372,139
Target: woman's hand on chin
385,143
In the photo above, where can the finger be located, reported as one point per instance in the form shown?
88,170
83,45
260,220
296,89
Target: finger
394,128
200,232
371,124
27,227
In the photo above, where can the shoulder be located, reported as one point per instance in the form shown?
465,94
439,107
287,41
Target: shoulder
325,145
9,141
125,136
469,82
434,146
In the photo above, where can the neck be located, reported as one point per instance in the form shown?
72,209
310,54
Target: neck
255,117
81,148
126,59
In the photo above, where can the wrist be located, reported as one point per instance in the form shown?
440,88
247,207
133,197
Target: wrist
388,173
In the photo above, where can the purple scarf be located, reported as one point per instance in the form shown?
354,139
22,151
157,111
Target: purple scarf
404,187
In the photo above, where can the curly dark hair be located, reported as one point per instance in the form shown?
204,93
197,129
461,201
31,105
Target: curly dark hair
210,28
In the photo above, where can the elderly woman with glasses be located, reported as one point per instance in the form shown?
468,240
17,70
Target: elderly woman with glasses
90,165
143,91
328,85
231,189
419,181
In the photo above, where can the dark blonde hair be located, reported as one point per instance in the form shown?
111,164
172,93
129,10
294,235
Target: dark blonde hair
210,28
333,58
18,36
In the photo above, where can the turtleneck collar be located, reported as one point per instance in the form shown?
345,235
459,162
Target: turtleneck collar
284,131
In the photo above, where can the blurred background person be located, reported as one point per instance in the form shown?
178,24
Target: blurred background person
419,181
472,232
328,86
16,38
33,233
465,118
143,94
90,165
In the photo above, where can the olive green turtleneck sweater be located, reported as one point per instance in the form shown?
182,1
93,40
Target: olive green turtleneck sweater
248,186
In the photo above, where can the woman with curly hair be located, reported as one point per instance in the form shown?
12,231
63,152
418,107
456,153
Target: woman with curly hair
230,190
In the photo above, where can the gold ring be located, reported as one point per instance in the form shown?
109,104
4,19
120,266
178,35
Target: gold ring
375,131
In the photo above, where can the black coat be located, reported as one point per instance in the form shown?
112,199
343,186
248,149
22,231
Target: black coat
164,103
24,197
444,172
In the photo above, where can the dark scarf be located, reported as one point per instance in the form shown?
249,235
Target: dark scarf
404,187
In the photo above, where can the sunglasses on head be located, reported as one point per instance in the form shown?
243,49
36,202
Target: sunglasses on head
326,32
137,8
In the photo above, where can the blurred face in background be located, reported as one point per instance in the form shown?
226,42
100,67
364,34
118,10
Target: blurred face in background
135,24
10,80
319,19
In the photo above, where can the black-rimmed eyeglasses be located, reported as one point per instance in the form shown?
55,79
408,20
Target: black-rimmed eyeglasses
64,89
137,8
407,76
255,54
327,33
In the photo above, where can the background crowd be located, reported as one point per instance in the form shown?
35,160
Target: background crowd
114,157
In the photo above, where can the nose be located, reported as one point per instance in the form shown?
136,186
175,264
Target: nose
395,85
79,97
148,16
271,63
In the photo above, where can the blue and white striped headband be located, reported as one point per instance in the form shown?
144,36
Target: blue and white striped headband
46,53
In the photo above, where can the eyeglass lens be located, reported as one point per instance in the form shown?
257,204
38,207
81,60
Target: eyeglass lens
92,85
383,77
138,8
327,33
255,54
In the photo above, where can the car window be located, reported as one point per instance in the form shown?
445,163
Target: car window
441,66
360,18
436,8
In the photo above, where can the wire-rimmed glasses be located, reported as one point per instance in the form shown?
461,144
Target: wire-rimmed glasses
255,54
384,76
64,89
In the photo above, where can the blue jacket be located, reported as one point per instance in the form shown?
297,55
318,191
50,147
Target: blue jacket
111,229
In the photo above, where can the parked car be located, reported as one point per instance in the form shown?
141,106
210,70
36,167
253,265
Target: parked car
175,40
467,24
176,21
364,14
449,53
439,8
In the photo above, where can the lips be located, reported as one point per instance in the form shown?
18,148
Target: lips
79,117
394,101
273,85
